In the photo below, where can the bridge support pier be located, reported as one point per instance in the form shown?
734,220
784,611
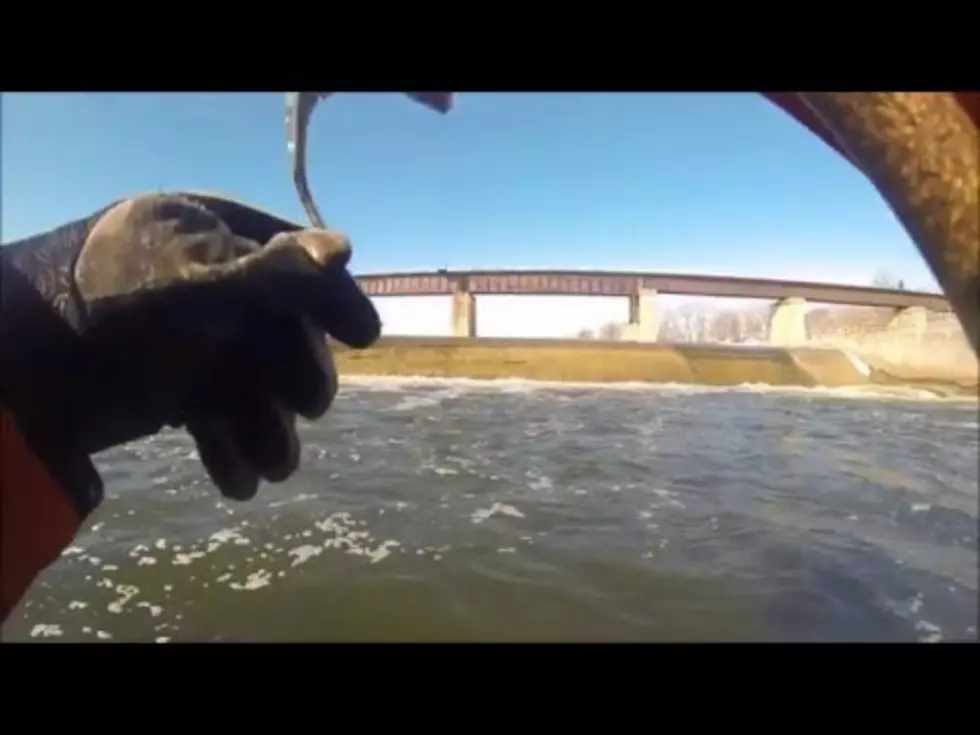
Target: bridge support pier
644,317
902,339
464,311
910,322
787,323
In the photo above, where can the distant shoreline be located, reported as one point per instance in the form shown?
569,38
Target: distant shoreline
586,361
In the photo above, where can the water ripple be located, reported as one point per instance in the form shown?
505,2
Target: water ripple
461,510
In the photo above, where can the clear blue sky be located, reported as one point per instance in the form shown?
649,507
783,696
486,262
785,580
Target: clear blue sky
717,183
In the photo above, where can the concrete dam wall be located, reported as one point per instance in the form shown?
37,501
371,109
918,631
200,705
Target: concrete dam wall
608,361
915,344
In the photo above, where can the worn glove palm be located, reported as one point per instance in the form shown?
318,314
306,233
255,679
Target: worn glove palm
185,310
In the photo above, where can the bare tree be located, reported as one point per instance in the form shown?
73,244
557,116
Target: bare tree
676,326
725,327
884,279
756,324
609,331
694,323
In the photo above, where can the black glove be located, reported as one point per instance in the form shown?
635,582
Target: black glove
184,310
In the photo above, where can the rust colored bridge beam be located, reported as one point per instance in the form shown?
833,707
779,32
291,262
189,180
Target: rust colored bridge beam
598,283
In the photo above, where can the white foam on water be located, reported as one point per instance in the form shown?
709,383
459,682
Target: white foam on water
915,605
497,509
154,610
415,402
395,384
960,424
301,498
225,535
254,581
382,551
666,499
126,593
342,536
46,630
184,559
930,632
303,554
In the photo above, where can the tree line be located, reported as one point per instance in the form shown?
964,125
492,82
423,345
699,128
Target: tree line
702,322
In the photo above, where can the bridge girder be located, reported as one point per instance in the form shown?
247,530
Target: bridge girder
599,283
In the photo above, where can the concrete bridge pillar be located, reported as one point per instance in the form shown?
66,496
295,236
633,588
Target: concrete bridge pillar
787,323
464,310
644,317
909,323
901,341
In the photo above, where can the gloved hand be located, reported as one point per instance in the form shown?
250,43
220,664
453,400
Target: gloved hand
184,310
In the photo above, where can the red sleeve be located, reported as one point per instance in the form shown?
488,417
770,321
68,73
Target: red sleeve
37,521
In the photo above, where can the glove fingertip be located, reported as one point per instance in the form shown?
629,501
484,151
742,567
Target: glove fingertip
225,465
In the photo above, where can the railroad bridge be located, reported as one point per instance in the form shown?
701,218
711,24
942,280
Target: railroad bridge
787,321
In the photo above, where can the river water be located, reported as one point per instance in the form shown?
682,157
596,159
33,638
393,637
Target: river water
507,511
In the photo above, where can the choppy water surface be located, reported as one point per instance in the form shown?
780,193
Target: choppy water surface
438,510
